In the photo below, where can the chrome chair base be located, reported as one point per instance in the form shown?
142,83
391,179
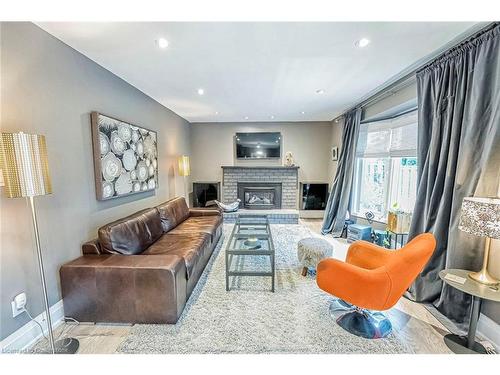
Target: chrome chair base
360,322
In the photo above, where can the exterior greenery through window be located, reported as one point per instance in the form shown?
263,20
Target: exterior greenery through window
386,166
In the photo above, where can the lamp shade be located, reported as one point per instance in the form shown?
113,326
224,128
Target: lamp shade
25,167
184,169
481,217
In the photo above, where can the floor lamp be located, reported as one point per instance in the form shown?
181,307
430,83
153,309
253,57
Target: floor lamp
26,175
185,171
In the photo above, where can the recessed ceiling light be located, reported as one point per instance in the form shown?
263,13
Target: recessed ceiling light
201,92
363,42
162,43
320,91
216,112
303,112
271,117
246,117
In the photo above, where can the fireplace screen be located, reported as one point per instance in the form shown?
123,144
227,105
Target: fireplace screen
260,195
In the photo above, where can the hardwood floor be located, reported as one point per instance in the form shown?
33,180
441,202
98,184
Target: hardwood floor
412,322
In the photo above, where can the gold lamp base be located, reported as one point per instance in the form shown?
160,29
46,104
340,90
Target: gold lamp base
484,276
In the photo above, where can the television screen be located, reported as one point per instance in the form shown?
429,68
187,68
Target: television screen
258,145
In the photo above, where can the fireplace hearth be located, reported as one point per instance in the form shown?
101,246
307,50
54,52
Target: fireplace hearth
259,195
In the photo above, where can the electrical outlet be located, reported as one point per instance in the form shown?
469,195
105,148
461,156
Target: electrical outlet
18,304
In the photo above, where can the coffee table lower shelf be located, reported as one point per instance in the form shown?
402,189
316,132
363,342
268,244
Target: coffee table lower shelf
250,227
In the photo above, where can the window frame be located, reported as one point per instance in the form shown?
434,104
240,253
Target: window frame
389,181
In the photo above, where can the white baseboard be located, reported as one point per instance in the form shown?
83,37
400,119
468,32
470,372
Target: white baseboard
30,333
490,330
311,214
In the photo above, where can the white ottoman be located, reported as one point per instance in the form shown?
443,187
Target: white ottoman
311,251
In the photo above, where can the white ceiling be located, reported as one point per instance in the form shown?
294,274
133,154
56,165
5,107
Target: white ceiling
256,70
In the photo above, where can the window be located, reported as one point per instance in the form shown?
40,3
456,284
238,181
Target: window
386,166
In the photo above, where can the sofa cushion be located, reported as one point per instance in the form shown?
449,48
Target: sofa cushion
173,212
191,247
132,234
196,224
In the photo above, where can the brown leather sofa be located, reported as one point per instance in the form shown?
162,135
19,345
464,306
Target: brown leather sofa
142,268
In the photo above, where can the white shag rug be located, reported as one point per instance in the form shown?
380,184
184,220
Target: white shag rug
250,318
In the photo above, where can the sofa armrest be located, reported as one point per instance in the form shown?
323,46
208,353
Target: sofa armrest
91,247
124,288
204,212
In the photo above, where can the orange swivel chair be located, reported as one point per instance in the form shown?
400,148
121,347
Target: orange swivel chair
372,278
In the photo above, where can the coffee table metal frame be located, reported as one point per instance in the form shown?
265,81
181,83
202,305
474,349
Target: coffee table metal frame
248,223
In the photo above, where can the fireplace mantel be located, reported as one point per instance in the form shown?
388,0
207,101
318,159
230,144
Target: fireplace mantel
258,167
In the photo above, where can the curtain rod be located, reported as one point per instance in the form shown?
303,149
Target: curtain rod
407,78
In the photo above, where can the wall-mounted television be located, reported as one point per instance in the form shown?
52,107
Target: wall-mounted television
258,145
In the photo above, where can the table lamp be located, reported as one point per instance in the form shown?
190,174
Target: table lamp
481,217
25,168
184,171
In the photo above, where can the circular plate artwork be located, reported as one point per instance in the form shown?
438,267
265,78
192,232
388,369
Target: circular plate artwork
111,167
125,132
142,171
129,160
149,147
123,184
108,189
139,149
118,145
135,136
128,157
136,186
104,143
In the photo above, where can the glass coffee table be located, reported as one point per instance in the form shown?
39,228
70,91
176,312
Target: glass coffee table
251,237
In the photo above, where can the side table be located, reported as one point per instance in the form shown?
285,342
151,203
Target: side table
398,235
469,345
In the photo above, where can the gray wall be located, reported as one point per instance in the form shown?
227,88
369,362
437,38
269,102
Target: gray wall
212,146
49,88
398,99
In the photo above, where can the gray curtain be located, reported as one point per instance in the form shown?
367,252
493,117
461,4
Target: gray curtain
338,201
458,155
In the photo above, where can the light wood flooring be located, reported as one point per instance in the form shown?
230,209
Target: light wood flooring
412,322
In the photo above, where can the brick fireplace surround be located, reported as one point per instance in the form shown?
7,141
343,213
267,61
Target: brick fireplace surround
287,176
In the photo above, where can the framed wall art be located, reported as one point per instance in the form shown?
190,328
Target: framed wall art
125,157
335,153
